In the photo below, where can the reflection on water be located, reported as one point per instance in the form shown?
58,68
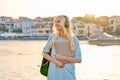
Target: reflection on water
99,62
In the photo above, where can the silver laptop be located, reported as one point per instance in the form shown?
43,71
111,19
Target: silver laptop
63,48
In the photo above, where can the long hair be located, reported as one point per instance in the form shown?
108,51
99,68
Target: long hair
66,29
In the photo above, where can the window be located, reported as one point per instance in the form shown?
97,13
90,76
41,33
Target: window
112,21
34,31
3,19
74,28
15,26
81,32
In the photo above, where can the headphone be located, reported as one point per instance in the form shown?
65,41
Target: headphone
66,22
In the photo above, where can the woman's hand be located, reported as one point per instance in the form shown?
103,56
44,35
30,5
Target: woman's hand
58,63
60,58
66,59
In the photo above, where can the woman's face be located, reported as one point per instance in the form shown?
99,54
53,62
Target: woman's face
59,23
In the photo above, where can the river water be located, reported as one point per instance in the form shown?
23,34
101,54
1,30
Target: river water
98,62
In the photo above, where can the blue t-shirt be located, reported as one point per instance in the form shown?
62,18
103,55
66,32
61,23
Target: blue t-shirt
68,71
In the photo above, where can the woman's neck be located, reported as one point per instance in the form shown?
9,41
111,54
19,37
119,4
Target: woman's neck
61,33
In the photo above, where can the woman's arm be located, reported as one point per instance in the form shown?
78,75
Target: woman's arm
49,58
66,59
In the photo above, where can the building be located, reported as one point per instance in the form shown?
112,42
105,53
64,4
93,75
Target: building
114,22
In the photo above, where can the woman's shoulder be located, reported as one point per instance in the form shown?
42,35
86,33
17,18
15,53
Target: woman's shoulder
75,37
76,40
51,34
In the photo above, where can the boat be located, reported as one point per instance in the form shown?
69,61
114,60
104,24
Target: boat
104,42
105,39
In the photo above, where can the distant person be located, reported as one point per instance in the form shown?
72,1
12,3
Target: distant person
62,67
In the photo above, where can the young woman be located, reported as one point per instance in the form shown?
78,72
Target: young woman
62,67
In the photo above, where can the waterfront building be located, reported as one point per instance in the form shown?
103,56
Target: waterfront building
6,24
114,22
92,29
78,27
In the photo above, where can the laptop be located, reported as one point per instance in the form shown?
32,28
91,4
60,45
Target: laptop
63,48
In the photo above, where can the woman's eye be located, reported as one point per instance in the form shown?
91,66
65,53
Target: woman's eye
57,21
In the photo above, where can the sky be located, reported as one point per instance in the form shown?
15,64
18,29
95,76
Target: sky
46,8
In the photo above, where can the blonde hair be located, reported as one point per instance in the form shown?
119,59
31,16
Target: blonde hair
67,31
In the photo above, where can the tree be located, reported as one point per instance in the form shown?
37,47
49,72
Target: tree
108,30
17,30
79,18
117,32
89,18
6,30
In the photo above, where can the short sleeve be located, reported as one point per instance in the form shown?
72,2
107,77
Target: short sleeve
47,47
77,51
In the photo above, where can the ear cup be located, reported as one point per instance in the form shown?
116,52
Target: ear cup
66,22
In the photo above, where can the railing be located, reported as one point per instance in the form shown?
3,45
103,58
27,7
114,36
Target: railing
40,36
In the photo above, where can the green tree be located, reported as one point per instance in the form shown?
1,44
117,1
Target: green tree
80,18
108,30
6,30
117,32
89,18
17,30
